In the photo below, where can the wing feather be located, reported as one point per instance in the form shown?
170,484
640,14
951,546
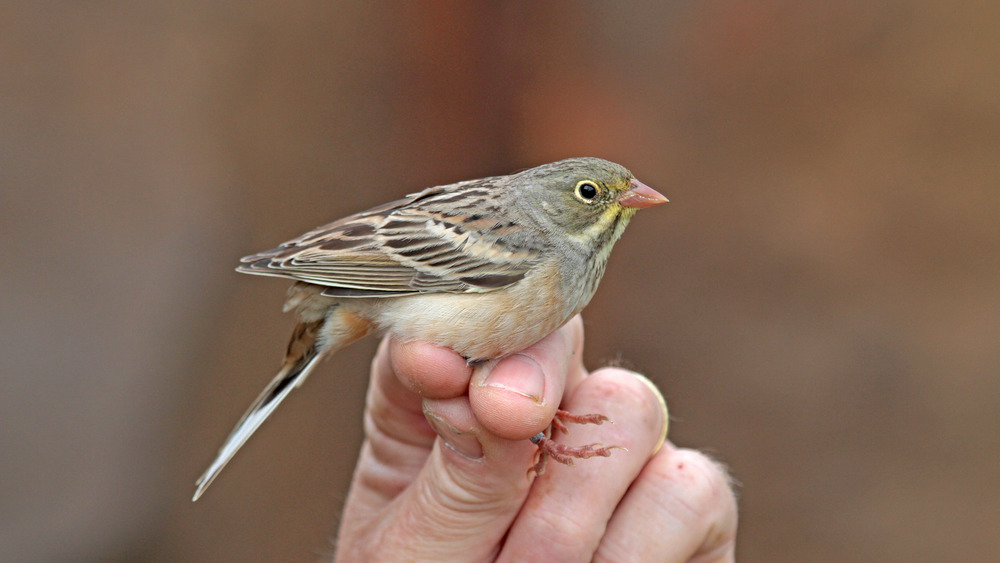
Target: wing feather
443,239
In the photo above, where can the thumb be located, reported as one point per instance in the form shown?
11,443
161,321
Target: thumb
470,487
469,491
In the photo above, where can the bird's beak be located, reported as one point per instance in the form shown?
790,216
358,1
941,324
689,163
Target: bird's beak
640,196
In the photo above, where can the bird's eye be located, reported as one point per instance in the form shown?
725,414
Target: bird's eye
587,191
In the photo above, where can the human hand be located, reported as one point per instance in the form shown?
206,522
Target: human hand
468,496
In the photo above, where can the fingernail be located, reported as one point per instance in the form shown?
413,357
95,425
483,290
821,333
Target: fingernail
663,407
462,443
520,374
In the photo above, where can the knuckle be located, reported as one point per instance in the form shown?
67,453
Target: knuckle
701,487
626,387
562,535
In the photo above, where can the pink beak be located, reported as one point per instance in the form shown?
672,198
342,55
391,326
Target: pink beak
641,196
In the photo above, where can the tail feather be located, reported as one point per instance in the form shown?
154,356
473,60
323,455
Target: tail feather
302,358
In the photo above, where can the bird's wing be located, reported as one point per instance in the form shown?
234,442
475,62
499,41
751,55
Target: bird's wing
443,239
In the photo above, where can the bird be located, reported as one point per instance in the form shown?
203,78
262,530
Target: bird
485,267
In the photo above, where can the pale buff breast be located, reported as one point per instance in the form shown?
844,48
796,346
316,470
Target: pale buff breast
481,325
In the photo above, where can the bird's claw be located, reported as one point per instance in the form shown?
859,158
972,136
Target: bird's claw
566,454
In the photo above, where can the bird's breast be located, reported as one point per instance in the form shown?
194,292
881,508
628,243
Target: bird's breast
482,326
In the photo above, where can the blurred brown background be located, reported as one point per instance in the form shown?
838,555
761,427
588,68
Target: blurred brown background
820,301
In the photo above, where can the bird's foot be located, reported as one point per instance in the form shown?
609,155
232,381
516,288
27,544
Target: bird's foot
566,454
566,416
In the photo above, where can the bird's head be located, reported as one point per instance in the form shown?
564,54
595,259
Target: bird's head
589,200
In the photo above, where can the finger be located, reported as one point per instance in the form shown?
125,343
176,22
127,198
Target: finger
474,482
462,502
681,508
517,396
470,487
398,438
568,508
428,370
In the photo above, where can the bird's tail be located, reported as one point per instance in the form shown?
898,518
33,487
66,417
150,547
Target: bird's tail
302,356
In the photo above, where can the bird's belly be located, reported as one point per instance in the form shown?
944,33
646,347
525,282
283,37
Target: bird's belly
479,326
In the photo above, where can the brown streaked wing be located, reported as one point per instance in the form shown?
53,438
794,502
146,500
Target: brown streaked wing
353,228
431,241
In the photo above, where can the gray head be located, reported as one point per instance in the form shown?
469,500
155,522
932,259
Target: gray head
589,200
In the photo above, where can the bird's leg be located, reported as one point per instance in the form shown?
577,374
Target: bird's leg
565,454
566,416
